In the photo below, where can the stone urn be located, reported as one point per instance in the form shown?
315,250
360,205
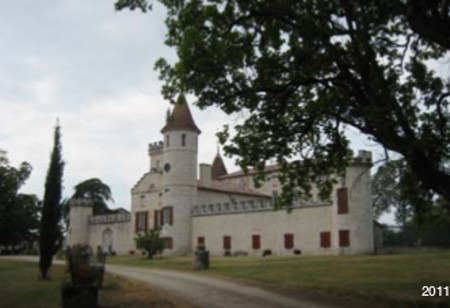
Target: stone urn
201,258
86,278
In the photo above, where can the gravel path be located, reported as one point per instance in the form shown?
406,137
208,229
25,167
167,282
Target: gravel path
200,290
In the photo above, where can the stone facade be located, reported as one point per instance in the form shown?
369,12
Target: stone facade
227,212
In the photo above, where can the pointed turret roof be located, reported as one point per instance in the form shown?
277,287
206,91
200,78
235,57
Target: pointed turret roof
181,118
218,168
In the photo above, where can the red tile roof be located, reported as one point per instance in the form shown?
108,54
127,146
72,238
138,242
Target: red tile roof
181,117
218,168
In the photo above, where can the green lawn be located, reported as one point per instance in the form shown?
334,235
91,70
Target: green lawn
21,288
389,279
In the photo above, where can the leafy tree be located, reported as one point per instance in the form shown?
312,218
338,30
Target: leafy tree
97,191
50,229
388,192
305,70
19,219
150,242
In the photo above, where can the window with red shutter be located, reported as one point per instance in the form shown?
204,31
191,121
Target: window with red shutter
256,241
342,196
155,220
136,222
344,238
145,220
227,242
161,218
325,239
170,215
289,241
201,240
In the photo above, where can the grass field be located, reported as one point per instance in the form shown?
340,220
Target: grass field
388,279
20,288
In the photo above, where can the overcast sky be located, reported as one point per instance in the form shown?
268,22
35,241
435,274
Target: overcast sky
91,67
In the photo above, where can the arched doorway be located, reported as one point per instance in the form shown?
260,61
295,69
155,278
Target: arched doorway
107,243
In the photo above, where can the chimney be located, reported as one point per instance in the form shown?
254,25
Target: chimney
205,175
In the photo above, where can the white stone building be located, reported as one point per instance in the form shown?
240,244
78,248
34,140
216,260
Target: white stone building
225,211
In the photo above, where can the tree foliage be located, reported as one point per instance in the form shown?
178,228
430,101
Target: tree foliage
388,193
97,191
150,242
50,236
19,212
305,70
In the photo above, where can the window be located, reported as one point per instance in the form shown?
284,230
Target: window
227,242
344,238
226,206
289,241
325,239
256,241
167,215
183,140
211,208
342,200
219,207
158,162
243,205
167,141
252,205
262,204
201,240
168,242
156,220
141,221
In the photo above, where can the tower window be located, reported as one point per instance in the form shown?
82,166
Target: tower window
183,140
167,141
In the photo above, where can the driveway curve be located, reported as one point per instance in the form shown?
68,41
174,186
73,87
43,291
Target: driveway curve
200,290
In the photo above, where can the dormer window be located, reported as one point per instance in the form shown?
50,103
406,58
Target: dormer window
183,140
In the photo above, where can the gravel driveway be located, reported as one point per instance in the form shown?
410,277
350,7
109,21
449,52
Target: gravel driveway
200,290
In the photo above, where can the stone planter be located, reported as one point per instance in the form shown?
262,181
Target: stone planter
201,258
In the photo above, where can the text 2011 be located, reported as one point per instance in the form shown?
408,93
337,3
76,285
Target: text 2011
435,291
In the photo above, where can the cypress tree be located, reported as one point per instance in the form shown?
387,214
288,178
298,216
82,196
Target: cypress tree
50,230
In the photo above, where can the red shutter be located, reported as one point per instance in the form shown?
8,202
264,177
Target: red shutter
169,243
227,242
171,215
256,241
325,239
155,219
201,240
289,241
344,238
161,217
342,196
136,222
146,220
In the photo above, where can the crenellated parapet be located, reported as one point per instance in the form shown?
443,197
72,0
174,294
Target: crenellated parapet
80,202
248,206
363,158
155,147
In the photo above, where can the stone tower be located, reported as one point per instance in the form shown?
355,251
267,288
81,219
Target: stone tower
78,232
179,177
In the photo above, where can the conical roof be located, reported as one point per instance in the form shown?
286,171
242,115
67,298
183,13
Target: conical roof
181,118
218,168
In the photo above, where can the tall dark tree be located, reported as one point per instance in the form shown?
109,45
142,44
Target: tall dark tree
304,70
19,212
50,236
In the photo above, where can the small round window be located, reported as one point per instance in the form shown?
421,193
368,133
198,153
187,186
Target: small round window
167,167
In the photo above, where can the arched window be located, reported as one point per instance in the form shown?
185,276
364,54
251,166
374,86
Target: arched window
183,140
167,141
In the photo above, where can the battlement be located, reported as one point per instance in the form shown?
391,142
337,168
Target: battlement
80,202
155,147
256,205
363,157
